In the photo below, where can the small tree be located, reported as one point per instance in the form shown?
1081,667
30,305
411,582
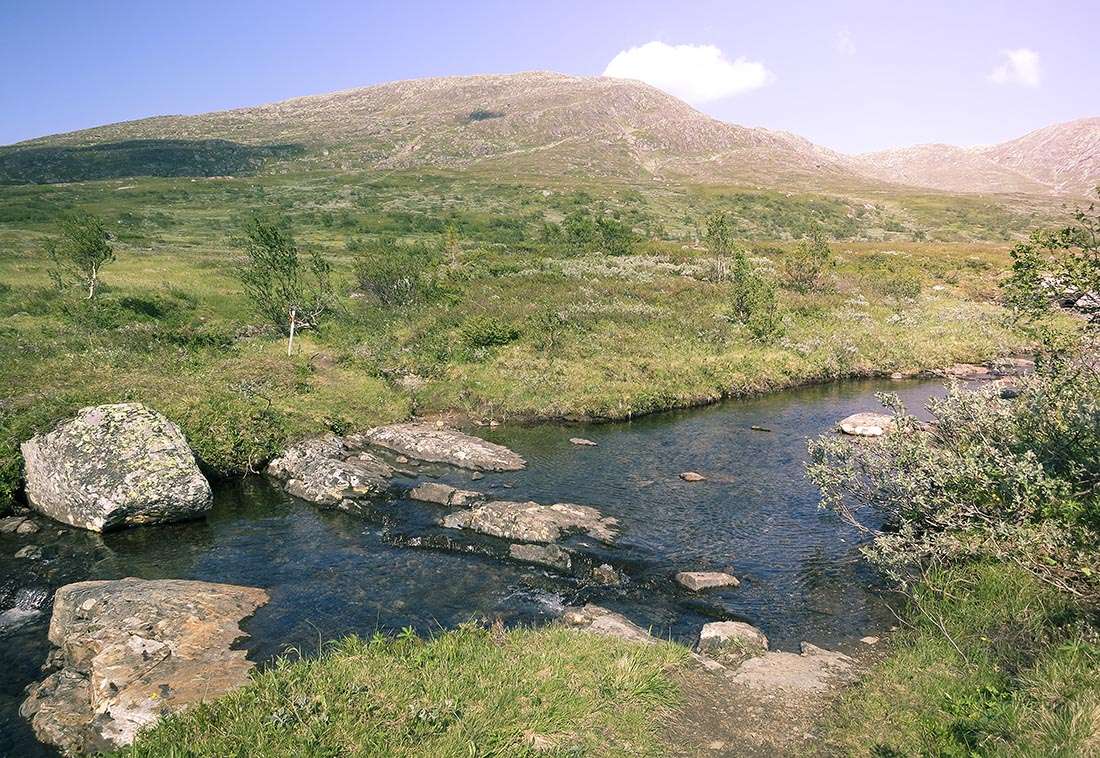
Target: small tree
289,294
719,239
450,244
80,252
753,300
802,269
1056,266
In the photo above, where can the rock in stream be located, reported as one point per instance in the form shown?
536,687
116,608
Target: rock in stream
427,442
130,651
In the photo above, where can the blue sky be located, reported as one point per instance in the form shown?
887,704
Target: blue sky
853,76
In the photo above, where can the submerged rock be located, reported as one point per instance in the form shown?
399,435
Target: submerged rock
444,494
582,442
532,522
867,424
115,466
599,620
17,525
324,471
705,580
131,651
441,445
719,634
552,556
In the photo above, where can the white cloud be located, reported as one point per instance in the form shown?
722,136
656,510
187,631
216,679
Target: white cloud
696,73
843,42
1020,66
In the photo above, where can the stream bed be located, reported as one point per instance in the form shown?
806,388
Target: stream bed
331,573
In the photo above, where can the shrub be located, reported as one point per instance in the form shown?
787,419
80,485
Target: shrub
719,239
395,275
234,432
902,287
79,253
803,268
1016,481
283,288
482,331
616,238
753,301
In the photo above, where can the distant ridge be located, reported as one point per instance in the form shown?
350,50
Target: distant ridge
548,124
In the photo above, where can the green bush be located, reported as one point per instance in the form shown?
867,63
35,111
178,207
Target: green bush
1014,480
804,267
753,301
396,275
233,432
483,331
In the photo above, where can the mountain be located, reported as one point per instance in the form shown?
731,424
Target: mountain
1062,159
538,124
529,123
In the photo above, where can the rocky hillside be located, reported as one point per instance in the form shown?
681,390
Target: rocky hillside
538,124
1062,159
530,123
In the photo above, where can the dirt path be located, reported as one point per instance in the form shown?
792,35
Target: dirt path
770,705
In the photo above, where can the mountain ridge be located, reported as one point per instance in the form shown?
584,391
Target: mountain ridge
556,124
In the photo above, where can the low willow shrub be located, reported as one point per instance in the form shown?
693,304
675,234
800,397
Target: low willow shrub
1014,480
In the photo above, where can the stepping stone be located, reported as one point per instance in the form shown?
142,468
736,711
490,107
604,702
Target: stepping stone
705,580
867,424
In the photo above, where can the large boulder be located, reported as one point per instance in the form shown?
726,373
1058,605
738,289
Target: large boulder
435,444
323,470
115,466
531,522
131,651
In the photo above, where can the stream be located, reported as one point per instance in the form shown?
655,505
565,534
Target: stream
331,573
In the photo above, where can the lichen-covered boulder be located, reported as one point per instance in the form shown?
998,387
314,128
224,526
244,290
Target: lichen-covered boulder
131,651
434,444
115,466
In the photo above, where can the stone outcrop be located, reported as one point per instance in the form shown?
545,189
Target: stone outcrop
705,580
531,522
131,651
114,466
434,444
599,620
445,494
867,424
812,671
325,471
721,634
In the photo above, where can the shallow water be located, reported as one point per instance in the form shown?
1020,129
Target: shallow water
330,573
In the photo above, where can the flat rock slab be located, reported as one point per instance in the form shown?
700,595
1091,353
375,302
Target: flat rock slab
692,476
866,424
812,671
552,556
582,442
324,471
445,494
114,466
705,580
719,634
532,522
434,444
599,620
132,651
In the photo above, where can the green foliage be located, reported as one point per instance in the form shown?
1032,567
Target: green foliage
1014,480
990,662
1055,266
233,431
616,238
79,253
803,269
903,287
396,275
483,331
719,240
470,691
280,285
753,300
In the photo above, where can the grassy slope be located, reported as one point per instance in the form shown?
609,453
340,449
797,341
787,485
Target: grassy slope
470,691
639,333
992,662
